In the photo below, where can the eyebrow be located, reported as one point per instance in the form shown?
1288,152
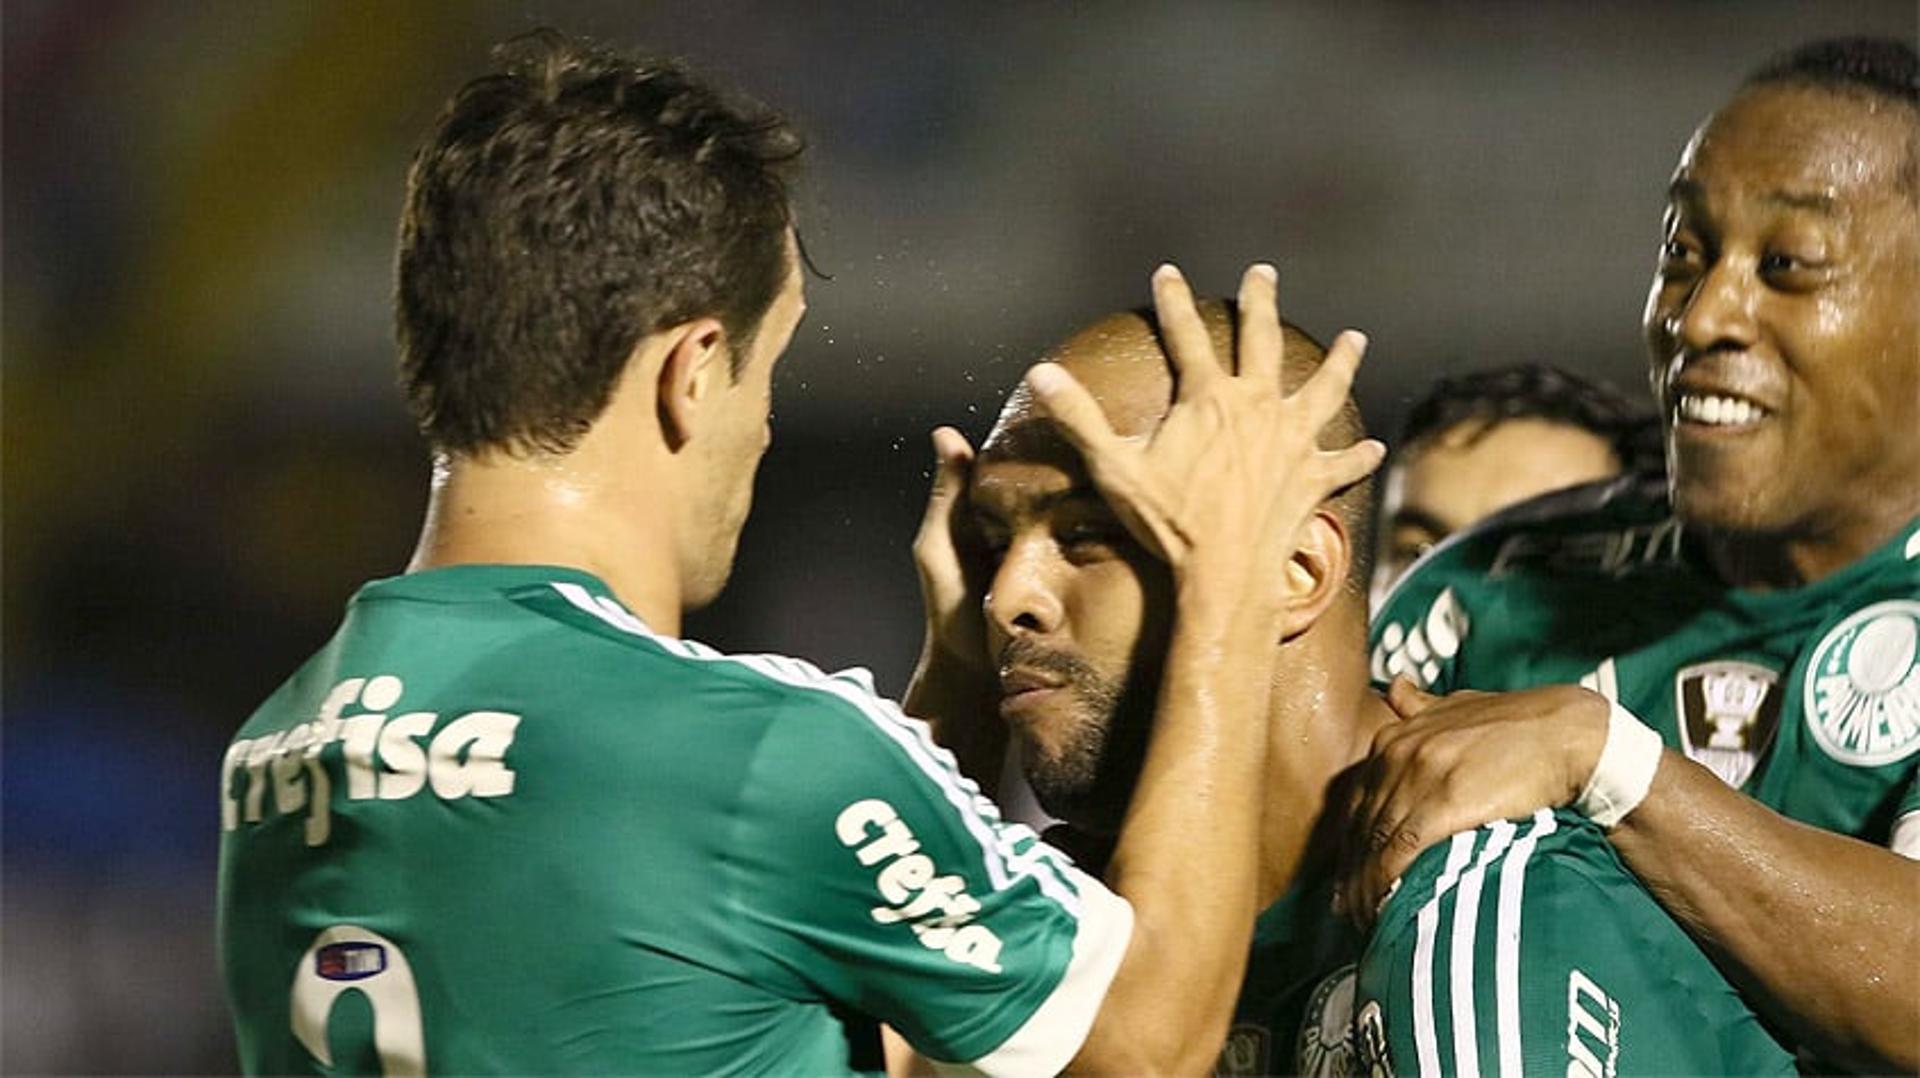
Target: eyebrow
1412,516
1686,190
1047,502
1813,202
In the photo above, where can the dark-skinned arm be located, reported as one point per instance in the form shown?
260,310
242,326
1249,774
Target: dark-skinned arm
1820,931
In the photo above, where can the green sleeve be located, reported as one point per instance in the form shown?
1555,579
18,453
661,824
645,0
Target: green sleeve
872,873
1525,948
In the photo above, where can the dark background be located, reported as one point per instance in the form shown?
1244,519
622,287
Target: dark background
204,452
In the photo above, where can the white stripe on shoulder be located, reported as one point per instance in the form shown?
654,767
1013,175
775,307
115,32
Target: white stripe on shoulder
1425,1036
1466,919
1506,955
1049,1039
977,812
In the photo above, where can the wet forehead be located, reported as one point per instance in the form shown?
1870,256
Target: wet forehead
1026,466
1805,147
1118,359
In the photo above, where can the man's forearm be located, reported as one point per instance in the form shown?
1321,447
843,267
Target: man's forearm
1821,931
1187,857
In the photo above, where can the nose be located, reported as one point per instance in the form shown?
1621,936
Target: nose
1023,597
1719,311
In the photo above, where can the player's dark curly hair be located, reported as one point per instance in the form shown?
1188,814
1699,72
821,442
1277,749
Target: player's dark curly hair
1537,391
1880,68
561,209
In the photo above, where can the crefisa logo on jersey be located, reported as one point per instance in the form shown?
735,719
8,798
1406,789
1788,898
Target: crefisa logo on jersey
1863,686
1729,711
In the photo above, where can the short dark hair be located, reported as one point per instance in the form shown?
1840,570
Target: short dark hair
1538,391
1884,66
561,209
1872,68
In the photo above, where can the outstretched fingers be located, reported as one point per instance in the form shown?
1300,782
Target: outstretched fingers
1343,467
1184,333
1260,339
1325,393
1072,409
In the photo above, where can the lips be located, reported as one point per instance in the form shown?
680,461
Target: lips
1017,680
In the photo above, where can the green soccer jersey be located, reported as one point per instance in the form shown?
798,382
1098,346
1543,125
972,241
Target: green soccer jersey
1808,699
1521,948
499,825
1297,999
1524,948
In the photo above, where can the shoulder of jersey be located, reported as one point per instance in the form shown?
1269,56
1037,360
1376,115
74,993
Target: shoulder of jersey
783,678
1607,505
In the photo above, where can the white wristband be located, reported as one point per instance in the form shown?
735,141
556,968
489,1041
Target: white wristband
1627,763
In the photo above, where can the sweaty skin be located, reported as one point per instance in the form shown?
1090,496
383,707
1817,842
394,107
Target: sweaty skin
1115,489
1785,350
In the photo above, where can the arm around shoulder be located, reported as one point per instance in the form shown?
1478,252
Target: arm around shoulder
1745,881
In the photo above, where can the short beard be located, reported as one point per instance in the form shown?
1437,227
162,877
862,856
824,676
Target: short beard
1088,780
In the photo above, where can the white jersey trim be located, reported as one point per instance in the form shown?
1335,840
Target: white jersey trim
1054,1033
1466,922
1426,1040
1506,956
1464,875
977,813
1905,839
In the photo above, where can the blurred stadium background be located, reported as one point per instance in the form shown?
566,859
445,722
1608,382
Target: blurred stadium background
204,453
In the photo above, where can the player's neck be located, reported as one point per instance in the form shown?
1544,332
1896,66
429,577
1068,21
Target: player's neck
1770,562
513,511
1324,717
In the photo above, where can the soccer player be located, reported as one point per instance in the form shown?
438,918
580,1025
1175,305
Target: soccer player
1480,442
507,820
1760,617
1521,946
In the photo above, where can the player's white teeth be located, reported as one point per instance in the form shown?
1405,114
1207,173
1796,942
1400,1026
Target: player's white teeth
1717,411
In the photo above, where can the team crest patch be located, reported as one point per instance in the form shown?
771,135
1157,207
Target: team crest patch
1370,1043
1863,686
1326,1030
1247,1051
1728,711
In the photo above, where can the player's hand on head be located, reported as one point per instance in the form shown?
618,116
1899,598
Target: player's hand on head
1457,762
1234,468
951,557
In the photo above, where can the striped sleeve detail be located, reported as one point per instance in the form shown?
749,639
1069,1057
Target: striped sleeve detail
1459,898
1009,853
1506,960
1049,1040
1466,1048
1425,1036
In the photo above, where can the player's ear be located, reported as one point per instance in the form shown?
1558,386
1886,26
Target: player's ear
695,370
1316,575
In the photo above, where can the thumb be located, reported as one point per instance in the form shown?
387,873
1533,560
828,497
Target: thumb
1409,699
952,459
